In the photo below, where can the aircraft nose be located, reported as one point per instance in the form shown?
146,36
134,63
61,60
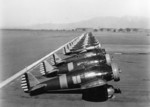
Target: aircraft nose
116,72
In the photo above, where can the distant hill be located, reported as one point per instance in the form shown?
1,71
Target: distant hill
99,22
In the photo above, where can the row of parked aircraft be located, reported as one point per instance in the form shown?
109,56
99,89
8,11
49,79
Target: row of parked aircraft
86,69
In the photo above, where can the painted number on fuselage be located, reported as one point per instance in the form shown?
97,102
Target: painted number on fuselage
76,79
70,66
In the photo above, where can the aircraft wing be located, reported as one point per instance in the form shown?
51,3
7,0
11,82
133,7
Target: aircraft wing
43,61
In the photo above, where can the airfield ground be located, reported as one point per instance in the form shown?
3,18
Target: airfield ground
21,48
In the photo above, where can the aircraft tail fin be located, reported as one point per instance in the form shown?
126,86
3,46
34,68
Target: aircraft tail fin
66,51
25,83
55,59
28,81
46,68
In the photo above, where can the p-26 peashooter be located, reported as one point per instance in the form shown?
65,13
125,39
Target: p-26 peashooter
87,68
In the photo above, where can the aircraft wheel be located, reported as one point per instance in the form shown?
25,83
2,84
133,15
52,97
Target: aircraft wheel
95,94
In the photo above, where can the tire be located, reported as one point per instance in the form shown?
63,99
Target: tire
97,94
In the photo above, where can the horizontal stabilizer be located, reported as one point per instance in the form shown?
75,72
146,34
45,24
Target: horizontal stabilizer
55,59
28,80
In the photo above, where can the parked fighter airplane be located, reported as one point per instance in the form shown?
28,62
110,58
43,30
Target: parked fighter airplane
83,44
87,68
75,63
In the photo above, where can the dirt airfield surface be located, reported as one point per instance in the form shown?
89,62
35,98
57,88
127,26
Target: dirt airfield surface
21,48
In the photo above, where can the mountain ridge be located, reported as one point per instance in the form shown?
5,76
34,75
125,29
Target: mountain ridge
98,22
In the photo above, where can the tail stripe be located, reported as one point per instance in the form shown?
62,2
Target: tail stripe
25,84
23,81
25,87
23,78
26,90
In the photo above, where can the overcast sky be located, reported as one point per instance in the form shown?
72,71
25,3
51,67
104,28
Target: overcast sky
29,12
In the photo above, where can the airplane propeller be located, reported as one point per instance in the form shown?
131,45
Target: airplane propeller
115,71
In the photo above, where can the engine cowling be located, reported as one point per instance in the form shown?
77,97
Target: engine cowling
115,71
108,59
